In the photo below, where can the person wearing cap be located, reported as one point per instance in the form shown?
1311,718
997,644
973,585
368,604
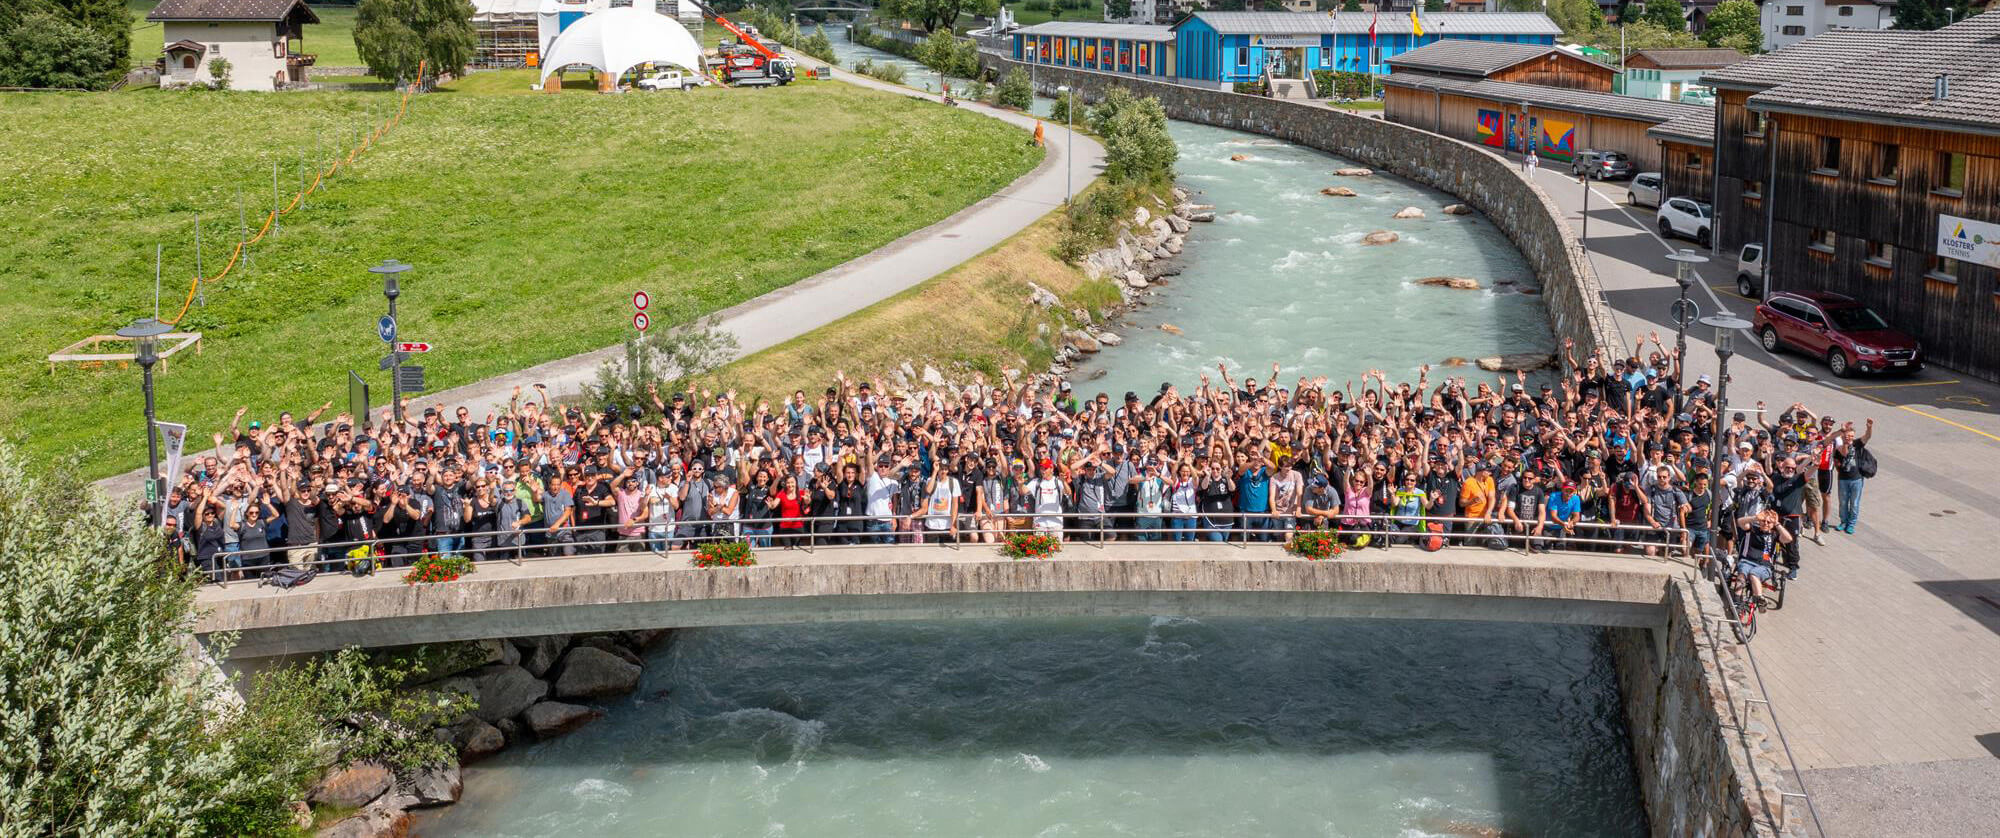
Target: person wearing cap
1149,493
1559,518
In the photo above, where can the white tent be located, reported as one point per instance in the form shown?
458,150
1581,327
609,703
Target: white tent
616,40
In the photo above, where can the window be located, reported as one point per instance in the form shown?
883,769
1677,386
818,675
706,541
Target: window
278,48
1829,156
1753,189
1243,56
1887,158
1794,11
1846,11
1951,173
1794,30
1759,121
1694,161
1943,268
1881,255
187,61
1822,241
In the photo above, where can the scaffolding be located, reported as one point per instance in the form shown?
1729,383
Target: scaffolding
507,32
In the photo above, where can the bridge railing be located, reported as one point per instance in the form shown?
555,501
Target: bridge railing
1240,529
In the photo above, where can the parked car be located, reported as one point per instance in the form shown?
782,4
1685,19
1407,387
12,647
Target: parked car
1644,191
670,80
1602,165
1687,218
1750,271
1698,96
1848,334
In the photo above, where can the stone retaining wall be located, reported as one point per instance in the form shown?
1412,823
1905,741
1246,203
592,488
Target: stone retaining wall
1491,184
1709,763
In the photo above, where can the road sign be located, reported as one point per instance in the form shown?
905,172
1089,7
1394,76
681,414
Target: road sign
386,328
1684,312
392,359
640,321
410,379
407,346
640,300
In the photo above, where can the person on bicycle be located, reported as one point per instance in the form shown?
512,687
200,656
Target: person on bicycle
1760,541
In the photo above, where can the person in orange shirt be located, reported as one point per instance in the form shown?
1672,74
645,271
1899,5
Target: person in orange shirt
1038,133
1476,496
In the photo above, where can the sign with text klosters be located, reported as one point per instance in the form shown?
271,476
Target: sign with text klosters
1275,41
1970,241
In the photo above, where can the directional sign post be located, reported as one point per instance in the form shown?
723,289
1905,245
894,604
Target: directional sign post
410,379
392,359
409,346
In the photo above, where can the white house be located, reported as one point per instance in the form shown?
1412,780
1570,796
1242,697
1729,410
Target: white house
1667,73
1787,22
261,40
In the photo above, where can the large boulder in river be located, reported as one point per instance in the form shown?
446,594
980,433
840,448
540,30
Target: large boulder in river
554,718
541,652
1170,328
1457,209
352,786
590,672
1081,342
1517,362
1354,171
1338,192
436,786
1177,224
504,691
1380,237
1408,212
1460,282
1238,158
477,740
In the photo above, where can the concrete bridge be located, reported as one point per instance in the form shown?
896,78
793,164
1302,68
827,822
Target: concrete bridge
841,584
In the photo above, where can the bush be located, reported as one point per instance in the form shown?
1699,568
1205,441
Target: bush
1030,545
1015,91
1036,5
436,568
891,73
817,45
218,73
1137,145
1314,545
1343,84
1060,112
723,554
663,356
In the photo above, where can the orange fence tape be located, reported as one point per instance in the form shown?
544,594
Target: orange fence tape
271,217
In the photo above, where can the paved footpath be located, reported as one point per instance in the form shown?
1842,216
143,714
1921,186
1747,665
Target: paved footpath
1884,665
830,295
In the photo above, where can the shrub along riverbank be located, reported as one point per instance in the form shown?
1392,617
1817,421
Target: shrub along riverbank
530,220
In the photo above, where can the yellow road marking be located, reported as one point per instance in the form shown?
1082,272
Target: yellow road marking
1949,422
1731,291
1904,384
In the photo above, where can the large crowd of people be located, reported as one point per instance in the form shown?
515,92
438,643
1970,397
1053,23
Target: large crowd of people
1604,455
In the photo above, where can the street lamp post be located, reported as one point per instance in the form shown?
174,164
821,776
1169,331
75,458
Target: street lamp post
1069,127
1684,312
1726,326
389,270
145,334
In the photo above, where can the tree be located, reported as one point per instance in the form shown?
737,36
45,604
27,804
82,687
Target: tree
1580,20
1015,90
1734,24
1117,9
1433,5
1666,14
395,36
64,43
1925,15
1137,145
1642,35
1351,6
933,15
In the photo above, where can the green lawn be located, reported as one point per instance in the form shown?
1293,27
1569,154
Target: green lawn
332,39
530,220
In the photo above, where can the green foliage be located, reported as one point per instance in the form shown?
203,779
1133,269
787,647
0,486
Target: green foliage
935,15
345,707
1666,14
1641,34
1016,90
1351,6
63,43
1092,220
1060,111
948,54
1137,147
1114,9
817,45
1734,24
394,36
218,73
891,73
1925,15
1434,5
663,359
1580,20
1344,84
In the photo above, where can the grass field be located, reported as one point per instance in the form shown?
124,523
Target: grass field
332,39
530,220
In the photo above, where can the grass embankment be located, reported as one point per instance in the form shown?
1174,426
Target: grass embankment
974,317
530,220
331,39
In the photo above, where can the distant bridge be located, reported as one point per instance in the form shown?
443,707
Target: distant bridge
860,583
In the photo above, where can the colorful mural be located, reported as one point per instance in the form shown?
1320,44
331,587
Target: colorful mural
1045,49
1090,53
1143,58
1492,130
1558,140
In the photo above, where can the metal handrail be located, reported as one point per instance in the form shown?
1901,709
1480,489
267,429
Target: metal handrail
1777,726
1207,526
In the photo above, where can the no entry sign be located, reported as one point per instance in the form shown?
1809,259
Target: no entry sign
640,300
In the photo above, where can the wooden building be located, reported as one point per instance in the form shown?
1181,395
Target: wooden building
1496,61
1668,73
1884,184
1687,156
1509,116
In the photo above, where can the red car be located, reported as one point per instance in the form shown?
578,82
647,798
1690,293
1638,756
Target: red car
1849,335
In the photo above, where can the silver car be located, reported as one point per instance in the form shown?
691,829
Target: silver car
1601,165
1644,191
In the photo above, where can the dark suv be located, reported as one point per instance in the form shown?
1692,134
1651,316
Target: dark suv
1602,165
1849,335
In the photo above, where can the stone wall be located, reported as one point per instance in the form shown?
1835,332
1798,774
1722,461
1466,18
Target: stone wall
1708,762
1490,184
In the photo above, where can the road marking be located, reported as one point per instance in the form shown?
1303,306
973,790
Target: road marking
1975,401
1908,384
1949,422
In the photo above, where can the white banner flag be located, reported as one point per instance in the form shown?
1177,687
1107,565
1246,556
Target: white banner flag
1968,240
173,436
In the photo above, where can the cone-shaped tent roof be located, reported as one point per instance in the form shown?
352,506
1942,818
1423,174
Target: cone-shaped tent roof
616,40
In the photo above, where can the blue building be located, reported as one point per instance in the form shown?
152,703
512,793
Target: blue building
1130,49
1222,48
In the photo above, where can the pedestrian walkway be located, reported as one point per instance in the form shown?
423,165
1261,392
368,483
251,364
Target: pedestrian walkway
830,295
1885,663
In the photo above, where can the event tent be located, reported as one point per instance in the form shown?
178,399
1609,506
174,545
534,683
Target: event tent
616,40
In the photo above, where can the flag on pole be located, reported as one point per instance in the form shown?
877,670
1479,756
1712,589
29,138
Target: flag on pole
1371,28
1416,25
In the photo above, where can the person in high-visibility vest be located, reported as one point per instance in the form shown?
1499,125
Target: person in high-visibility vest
1038,133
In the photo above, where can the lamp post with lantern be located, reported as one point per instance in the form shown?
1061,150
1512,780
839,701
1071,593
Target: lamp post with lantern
1684,313
145,334
1726,326
389,270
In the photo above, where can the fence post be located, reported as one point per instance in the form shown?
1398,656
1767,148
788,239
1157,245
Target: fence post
275,206
242,228
200,294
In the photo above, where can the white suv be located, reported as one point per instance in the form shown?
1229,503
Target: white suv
1686,217
1644,191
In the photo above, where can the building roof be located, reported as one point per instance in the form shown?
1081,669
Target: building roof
1687,59
1090,29
1477,58
1690,129
1561,98
186,46
1896,86
1805,59
229,10
1443,24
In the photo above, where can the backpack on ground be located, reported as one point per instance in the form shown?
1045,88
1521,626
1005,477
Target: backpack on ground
287,578
1495,539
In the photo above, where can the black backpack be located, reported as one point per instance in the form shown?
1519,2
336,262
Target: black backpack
1864,460
287,578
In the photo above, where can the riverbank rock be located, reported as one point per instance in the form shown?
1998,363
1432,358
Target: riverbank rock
1238,158
1136,279
1170,328
1180,195
932,377
1408,212
1354,171
1177,224
477,740
645,640
540,653
352,786
590,672
554,718
439,786
1041,297
1453,361
610,644
1109,338
1081,342
1202,217
1140,215
1457,209
1338,192
1098,373
1380,237
1460,282
504,691
1516,362
386,818
1173,245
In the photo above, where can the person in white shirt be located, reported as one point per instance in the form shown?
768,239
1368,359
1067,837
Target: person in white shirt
882,489
662,498
1048,494
941,495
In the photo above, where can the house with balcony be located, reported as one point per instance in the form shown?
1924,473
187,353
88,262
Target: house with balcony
1788,22
263,41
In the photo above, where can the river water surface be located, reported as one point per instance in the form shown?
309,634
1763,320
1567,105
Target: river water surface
1160,727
